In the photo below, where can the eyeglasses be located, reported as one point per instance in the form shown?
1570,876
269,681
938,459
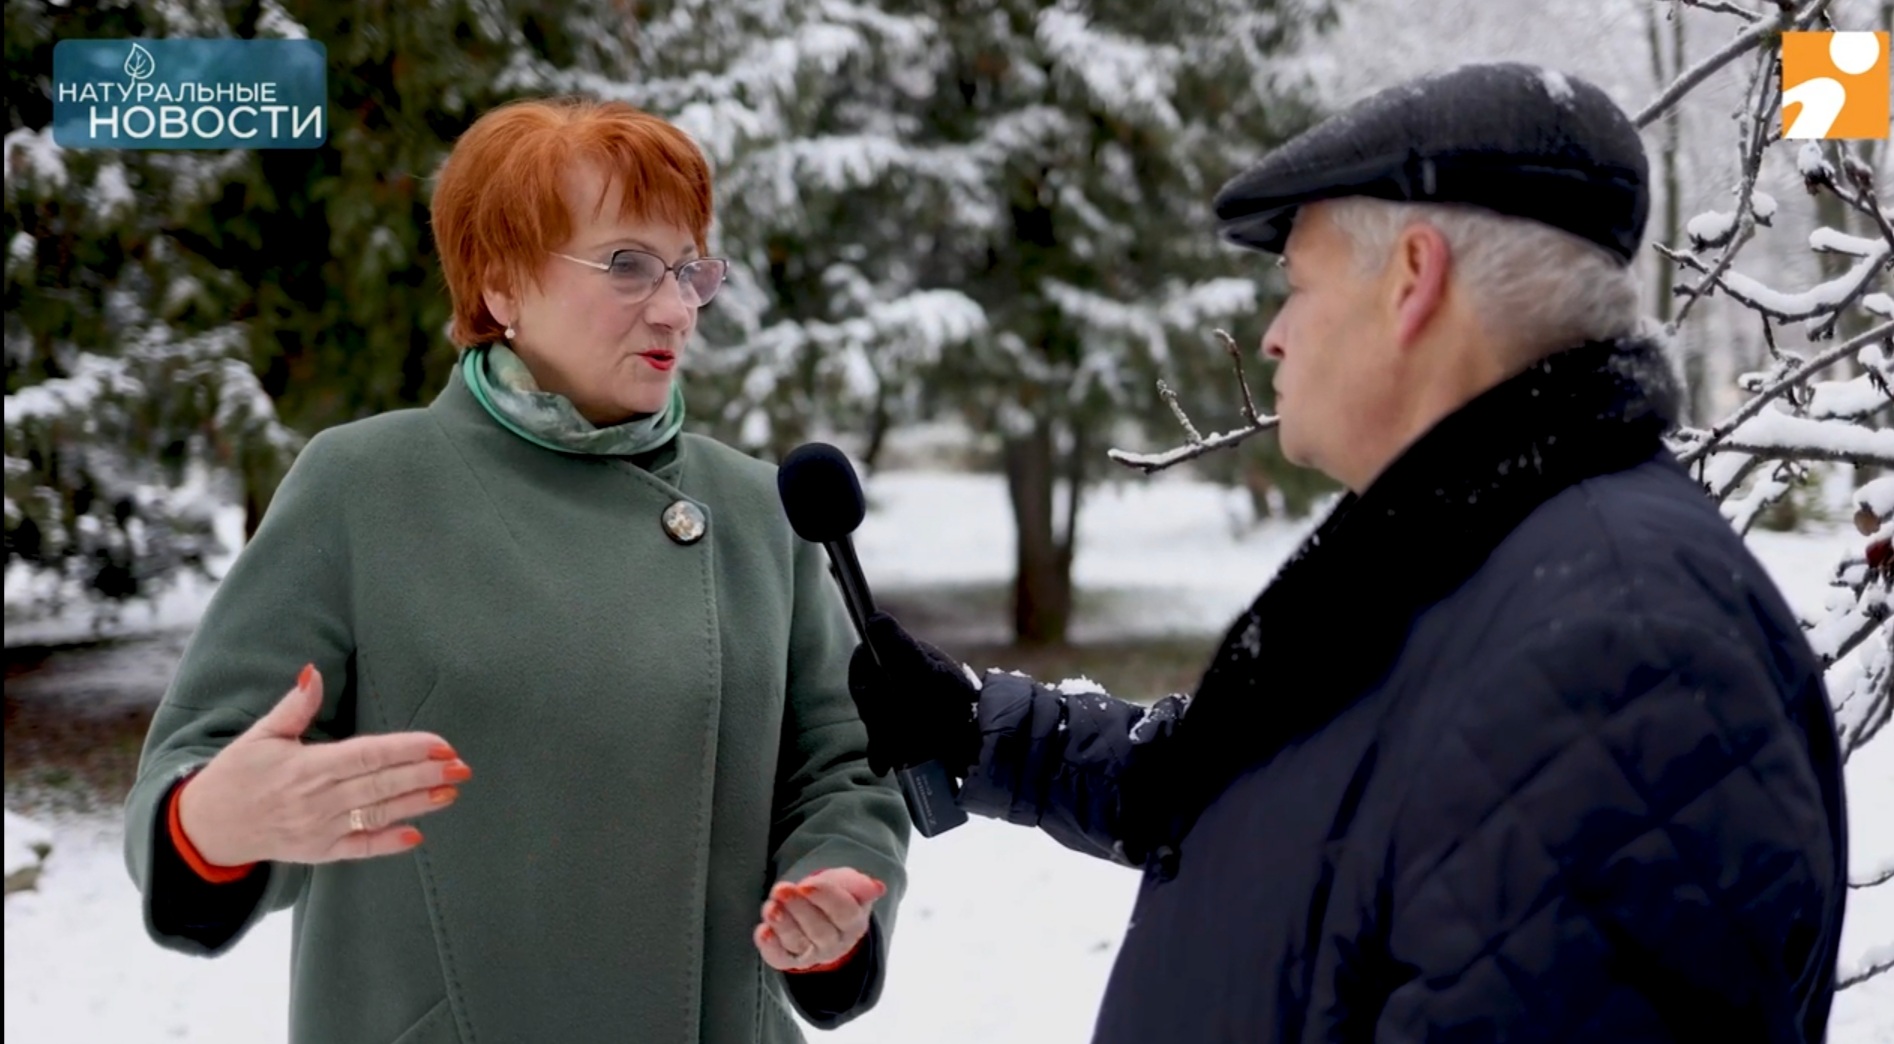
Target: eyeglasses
636,274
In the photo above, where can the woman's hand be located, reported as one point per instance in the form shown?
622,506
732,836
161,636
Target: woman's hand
818,920
269,796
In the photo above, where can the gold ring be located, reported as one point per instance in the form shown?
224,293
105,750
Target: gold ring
357,821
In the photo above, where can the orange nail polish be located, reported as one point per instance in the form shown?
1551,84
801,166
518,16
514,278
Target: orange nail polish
410,837
769,934
442,795
302,680
442,752
457,772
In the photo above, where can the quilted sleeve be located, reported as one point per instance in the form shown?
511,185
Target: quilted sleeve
1622,835
1069,761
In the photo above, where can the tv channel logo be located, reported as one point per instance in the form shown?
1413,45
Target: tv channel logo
190,94
1837,83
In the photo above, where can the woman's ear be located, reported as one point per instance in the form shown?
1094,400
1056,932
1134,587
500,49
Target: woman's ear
501,303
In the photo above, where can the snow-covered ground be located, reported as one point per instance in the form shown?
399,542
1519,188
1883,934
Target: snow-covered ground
1021,932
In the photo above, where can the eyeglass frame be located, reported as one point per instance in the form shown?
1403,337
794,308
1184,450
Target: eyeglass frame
675,271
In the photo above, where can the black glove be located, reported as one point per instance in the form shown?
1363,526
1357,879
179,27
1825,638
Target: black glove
917,702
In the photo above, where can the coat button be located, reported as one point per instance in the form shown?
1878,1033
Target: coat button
684,522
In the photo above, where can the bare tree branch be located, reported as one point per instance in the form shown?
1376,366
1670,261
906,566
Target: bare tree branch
1874,968
1859,458
1721,7
1745,41
1869,622
1882,877
1198,445
1755,128
1880,709
1236,360
1177,410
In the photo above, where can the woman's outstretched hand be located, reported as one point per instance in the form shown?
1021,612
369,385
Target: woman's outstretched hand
269,796
817,921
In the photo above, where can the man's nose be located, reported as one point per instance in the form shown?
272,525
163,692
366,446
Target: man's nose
1273,343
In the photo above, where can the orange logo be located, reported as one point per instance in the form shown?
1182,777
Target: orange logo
1835,85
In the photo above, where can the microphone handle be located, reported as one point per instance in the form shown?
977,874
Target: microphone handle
933,803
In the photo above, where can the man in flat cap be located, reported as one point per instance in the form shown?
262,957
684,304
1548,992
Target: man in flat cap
1522,744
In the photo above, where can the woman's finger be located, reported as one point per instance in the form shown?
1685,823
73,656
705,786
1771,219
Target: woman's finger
788,930
827,894
367,755
374,843
864,888
814,923
397,782
384,814
771,947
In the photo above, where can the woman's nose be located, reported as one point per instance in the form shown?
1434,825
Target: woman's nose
666,307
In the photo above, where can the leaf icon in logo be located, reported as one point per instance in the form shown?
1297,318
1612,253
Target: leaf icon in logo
139,64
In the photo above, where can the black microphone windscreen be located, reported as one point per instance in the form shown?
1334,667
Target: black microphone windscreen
820,493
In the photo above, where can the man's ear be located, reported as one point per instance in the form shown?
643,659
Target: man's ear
1419,268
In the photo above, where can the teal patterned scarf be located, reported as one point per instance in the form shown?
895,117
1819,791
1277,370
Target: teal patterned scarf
500,380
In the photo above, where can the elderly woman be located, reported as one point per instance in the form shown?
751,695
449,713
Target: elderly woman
539,591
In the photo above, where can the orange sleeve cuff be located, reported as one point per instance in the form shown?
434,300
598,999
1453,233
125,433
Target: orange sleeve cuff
204,869
834,964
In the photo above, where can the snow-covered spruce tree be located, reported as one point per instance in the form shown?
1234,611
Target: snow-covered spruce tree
165,309
994,212
128,387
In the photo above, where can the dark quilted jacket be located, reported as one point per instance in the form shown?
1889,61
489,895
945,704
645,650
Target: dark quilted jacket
1522,746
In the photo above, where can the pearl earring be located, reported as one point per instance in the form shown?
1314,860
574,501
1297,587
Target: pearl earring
509,333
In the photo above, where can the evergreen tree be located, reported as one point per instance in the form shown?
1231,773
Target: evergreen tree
993,211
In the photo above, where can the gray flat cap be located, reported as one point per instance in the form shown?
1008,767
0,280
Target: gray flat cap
1512,138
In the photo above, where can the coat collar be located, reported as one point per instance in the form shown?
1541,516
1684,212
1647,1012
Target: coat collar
1329,626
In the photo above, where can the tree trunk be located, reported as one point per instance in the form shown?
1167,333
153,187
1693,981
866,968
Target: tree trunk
1696,366
1042,579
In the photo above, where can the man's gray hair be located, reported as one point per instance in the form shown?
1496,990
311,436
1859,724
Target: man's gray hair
1534,287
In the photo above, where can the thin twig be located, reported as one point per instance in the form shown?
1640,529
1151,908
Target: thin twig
1723,8
1769,338
1870,621
1154,462
1880,967
1756,139
1236,359
1745,41
1198,445
1880,711
1886,875
1860,459
1177,410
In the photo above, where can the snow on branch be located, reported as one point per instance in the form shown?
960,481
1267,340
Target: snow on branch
1878,961
1702,443
1196,445
1800,412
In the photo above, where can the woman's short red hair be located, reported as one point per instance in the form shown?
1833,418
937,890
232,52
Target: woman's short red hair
498,205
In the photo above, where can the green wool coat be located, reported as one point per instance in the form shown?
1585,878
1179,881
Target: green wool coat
658,732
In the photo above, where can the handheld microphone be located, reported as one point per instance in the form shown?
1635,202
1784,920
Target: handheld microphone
823,500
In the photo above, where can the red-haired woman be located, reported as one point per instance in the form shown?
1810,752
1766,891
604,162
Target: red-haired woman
674,833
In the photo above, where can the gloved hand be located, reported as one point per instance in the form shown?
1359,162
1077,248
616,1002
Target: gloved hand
917,702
